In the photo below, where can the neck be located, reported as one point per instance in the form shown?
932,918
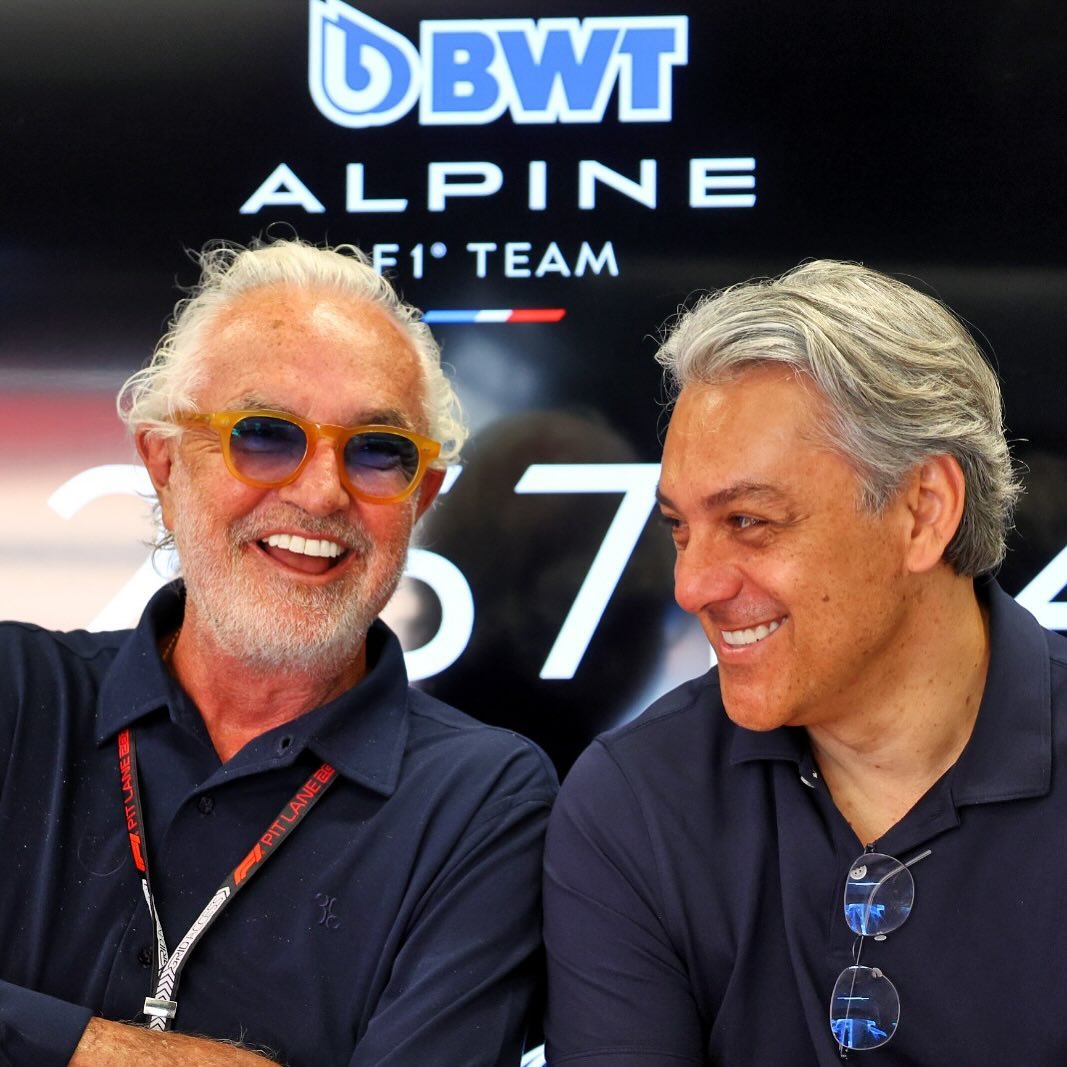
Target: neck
238,700
879,759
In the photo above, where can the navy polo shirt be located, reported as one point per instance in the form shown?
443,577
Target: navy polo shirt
695,873
398,924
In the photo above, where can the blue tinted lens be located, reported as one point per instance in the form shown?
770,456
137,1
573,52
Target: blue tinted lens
879,893
265,448
380,463
864,1008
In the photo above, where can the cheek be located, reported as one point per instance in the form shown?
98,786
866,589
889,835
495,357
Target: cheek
855,607
389,526
216,496
849,566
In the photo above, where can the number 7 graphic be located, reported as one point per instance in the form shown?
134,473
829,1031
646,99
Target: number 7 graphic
637,483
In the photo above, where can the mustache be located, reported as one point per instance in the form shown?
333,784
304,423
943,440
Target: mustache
259,523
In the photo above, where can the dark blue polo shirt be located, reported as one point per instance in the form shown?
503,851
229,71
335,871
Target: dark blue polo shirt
398,924
695,873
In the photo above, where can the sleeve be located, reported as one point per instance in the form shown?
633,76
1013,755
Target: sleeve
38,1030
464,985
618,992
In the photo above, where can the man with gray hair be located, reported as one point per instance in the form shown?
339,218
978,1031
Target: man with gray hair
844,837
295,422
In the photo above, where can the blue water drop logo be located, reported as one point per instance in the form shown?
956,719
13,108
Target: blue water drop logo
360,71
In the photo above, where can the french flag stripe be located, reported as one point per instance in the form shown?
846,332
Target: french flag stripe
481,315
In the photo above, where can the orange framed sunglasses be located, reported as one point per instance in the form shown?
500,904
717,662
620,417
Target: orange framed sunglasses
268,449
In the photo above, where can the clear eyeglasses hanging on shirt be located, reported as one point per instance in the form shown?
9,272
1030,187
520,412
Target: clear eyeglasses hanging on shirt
865,1005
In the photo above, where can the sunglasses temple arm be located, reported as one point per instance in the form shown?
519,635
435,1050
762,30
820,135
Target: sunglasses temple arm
921,856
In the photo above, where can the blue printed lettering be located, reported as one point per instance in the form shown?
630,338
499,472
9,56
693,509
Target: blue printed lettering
558,81
470,71
459,79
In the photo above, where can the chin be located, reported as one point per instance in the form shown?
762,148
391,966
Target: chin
758,723
754,711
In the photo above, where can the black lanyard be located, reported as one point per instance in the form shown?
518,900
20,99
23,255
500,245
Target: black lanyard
162,1006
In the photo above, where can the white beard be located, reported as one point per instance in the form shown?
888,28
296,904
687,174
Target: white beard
269,621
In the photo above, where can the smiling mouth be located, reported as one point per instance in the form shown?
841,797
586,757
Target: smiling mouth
305,546
314,555
752,636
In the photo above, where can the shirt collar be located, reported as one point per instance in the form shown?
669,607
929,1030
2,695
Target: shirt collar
362,733
1009,754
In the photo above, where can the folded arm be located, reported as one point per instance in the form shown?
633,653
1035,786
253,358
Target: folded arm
463,985
108,1044
618,991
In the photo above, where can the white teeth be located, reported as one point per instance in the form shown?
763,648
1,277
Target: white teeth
306,546
749,637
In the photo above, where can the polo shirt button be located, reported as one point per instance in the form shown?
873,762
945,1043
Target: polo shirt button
206,804
284,744
144,956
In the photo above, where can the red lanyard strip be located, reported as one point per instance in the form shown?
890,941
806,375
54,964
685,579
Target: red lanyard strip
131,802
162,1007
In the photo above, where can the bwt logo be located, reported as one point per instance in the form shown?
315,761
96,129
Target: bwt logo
468,72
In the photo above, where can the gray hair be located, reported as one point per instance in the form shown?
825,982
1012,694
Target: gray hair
903,379
165,387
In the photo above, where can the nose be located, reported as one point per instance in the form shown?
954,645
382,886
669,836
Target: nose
704,577
318,489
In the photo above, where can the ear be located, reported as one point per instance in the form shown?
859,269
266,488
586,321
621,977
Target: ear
935,497
428,490
156,452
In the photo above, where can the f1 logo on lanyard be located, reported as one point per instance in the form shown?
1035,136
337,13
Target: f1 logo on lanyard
163,1006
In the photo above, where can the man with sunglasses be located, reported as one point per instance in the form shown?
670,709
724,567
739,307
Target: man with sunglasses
295,422
845,840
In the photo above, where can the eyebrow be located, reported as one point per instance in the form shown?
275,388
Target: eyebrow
381,416
761,492
386,417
